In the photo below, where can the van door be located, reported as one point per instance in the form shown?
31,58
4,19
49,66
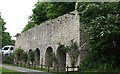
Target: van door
11,49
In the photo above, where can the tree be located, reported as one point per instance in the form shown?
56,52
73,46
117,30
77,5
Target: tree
24,57
8,59
28,26
2,29
53,58
31,56
6,39
39,12
102,23
18,53
49,10
73,51
56,9
4,36
12,42
44,11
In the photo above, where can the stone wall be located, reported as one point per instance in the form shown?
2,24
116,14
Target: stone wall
60,30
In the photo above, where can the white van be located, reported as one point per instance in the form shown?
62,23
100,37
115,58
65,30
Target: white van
7,50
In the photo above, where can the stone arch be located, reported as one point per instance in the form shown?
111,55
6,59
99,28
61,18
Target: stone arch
37,56
61,57
29,50
48,60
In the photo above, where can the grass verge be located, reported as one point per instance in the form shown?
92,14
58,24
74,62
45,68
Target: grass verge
7,71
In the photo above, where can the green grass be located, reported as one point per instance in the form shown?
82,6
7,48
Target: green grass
7,71
31,67
66,73
0,70
44,69
88,73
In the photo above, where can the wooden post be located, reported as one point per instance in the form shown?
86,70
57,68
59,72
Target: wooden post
48,68
57,69
28,66
67,69
78,68
41,67
73,68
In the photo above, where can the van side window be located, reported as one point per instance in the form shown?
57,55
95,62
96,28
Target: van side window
6,48
11,48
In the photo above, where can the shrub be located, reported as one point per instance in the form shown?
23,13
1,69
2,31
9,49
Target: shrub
31,56
17,53
8,59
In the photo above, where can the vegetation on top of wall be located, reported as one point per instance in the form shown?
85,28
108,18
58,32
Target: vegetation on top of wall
44,11
101,23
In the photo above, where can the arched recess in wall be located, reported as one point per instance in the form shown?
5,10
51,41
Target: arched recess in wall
30,50
37,57
61,57
48,60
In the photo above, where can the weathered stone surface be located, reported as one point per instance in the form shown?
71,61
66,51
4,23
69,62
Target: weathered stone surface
60,30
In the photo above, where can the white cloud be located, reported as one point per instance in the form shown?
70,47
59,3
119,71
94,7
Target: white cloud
15,13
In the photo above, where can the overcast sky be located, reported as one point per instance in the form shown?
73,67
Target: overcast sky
15,13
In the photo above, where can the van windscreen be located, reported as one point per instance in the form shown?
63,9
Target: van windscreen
6,48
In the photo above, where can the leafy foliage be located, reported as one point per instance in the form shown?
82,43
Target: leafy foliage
18,53
102,23
31,56
4,36
58,9
24,57
6,39
28,26
73,50
8,59
44,11
53,58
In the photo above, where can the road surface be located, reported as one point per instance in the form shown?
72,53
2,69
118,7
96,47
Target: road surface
19,69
